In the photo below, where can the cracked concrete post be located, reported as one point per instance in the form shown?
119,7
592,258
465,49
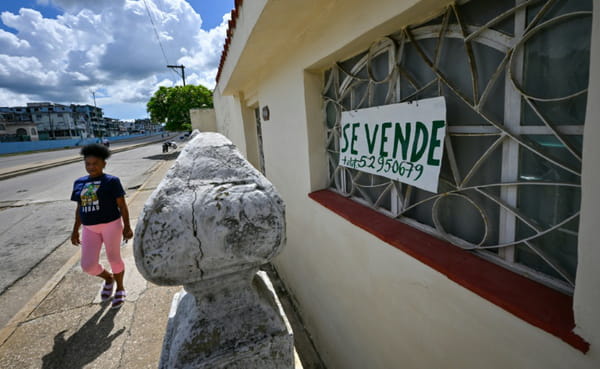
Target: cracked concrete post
210,224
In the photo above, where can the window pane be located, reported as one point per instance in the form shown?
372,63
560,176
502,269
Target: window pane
454,65
412,62
559,247
535,167
468,150
557,59
468,219
458,113
488,60
481,12
560,7
557,113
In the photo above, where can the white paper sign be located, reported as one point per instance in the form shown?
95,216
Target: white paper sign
404,142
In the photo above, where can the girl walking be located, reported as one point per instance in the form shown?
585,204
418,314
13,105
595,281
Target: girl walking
102,211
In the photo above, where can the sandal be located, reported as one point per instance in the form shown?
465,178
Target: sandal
107,290
119,299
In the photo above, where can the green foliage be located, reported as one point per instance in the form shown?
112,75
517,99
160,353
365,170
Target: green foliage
172,105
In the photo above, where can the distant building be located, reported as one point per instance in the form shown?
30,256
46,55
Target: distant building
145,126
51,121
54,121
113,127
93,117
128,126
16,127
57,121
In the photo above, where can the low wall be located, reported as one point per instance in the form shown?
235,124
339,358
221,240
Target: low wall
203,120
16,147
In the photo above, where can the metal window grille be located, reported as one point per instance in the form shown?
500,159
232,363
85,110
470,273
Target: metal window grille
515,76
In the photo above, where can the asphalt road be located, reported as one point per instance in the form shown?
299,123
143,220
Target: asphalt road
35,158
36,217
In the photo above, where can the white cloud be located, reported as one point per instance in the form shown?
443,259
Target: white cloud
109,45
11,43
9,98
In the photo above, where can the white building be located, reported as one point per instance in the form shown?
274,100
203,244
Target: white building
495,269
16,127
57,121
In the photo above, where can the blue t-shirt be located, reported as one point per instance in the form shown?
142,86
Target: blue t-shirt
97,198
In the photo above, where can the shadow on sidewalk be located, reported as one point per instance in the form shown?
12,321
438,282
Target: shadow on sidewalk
86,345
170,156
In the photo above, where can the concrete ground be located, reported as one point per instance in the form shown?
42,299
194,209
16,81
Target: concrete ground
66,326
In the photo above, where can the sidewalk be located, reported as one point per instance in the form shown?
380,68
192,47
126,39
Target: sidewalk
66,326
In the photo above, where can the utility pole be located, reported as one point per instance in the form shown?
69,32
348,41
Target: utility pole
53,133
90,123
182,67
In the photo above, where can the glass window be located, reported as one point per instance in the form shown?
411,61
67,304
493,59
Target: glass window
515,80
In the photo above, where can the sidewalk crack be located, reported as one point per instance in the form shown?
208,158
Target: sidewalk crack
129,333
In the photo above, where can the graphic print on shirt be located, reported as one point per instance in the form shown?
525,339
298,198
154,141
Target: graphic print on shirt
89,197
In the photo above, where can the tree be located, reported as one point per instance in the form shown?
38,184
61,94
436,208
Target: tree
172,105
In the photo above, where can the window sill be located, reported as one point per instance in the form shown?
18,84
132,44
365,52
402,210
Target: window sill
532,302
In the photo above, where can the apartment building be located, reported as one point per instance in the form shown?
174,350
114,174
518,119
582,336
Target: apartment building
15,127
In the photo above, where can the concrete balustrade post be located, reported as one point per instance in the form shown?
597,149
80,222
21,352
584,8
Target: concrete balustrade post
209,226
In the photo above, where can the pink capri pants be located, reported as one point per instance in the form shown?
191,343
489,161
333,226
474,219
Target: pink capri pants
92,237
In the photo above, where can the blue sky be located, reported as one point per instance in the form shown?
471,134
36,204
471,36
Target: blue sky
61,50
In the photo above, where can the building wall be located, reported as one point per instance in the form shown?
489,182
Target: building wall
12,129
203,120
587,293
367,304
229,119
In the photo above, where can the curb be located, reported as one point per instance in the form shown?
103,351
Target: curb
20,172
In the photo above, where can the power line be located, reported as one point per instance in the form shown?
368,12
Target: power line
157,36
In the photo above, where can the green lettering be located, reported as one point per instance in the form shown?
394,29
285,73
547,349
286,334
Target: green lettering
418,148
384,139
345,136
371,140
435,142
402,138
354,138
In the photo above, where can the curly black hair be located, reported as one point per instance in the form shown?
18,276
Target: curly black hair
97,150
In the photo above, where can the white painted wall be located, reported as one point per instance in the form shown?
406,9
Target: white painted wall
587,293
203,120
367,304
228,110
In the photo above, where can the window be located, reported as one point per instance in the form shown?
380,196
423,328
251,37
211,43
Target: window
515,82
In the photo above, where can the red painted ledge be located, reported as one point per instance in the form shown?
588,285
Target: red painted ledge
533,302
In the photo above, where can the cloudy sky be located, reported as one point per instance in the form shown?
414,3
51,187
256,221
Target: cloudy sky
61,50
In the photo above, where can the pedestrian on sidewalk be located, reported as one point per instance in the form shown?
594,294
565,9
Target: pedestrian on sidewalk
103,212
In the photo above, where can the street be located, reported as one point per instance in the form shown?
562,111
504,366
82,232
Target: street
36,218
9,161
